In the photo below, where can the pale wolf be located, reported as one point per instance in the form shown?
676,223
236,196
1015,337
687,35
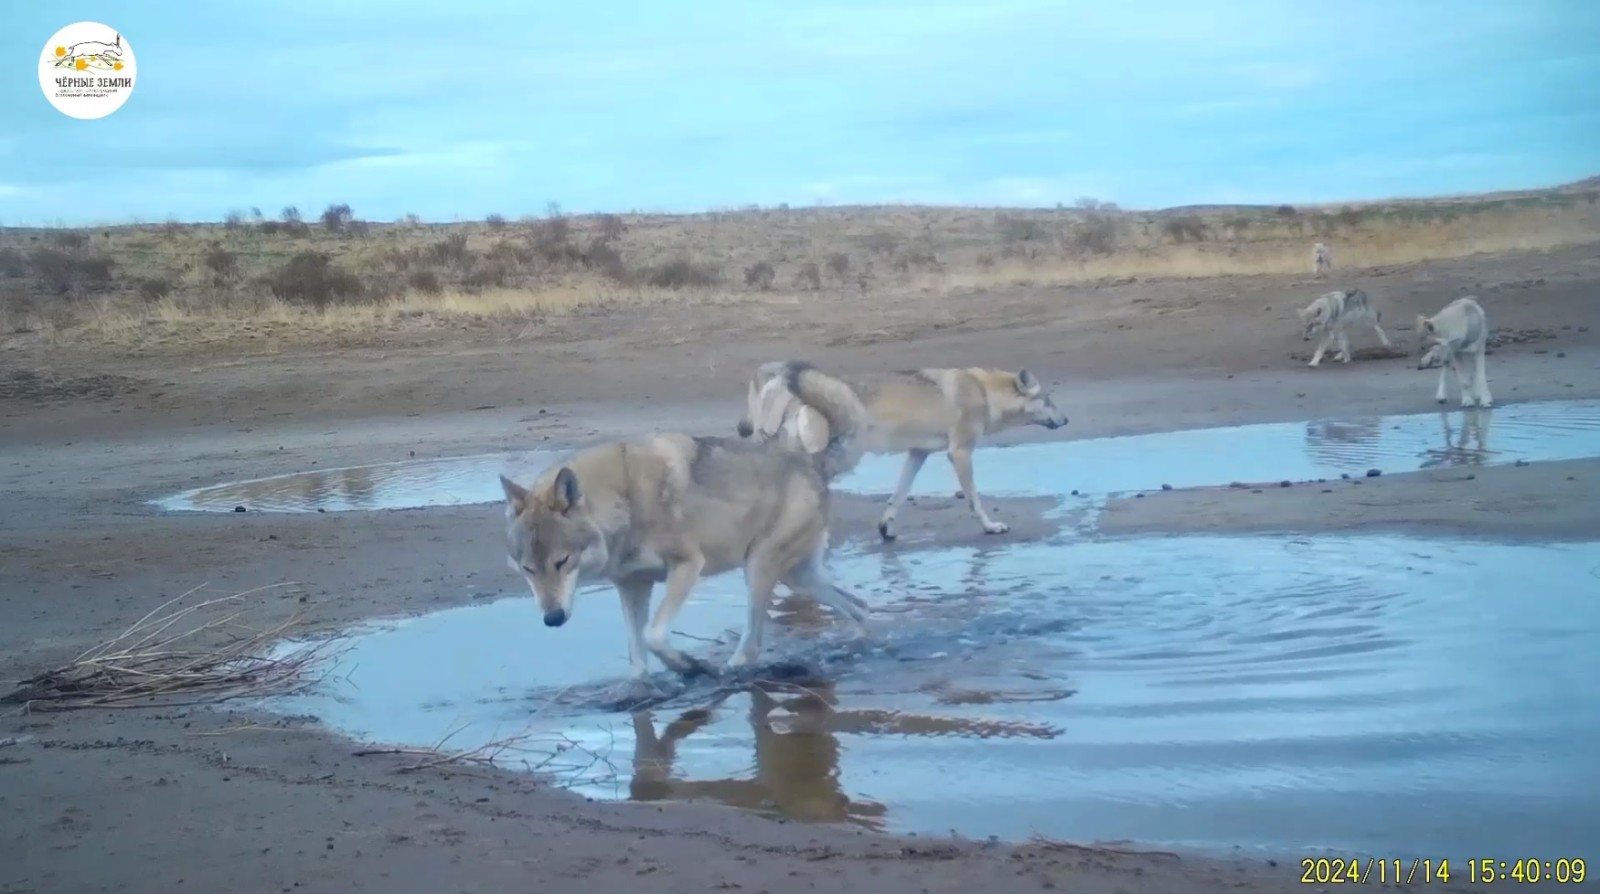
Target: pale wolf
920,411
1321,258
1334,313
772,411
674,508
1459,328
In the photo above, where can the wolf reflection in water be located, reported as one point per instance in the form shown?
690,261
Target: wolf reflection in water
797,750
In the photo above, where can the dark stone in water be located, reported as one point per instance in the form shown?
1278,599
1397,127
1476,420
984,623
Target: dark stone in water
1285,483
238,509
1166,487
1373,473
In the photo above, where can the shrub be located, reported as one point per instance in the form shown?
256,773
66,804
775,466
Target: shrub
425,282
760,275
311,277
681,272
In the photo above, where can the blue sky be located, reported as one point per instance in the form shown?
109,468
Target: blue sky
462,108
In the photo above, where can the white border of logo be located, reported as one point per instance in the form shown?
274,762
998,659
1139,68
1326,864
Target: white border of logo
87,70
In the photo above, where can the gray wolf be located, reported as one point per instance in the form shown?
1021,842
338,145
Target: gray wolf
1334,313
1321,258
673,508
1460,328
773,412
921,411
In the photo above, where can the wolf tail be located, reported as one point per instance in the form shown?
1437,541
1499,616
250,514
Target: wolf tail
838,405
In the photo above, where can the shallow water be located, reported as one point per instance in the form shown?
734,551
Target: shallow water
1373,694
1549,430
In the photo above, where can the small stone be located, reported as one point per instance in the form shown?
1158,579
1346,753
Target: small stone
1237,484
1327,490
1561,353
1255,490
1138,496
1284,483
1520,463
1373,473
238,509
1075,493
1345,475
1166,487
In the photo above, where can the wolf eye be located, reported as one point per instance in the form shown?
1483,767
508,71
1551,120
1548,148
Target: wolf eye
562,561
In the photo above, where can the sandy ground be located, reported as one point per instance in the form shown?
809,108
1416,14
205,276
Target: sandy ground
138,800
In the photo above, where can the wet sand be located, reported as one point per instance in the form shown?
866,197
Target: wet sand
135,800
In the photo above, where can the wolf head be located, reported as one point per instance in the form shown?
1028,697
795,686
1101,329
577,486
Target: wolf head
551,539
1433,347
1030,403
1312,318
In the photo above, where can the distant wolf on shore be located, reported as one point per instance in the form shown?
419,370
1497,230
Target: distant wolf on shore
773,412
1333,313
673,508
1459,331
1321,258
921,411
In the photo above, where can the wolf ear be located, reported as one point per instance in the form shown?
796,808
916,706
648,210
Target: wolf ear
1027,385
1424,324
564,491
516,495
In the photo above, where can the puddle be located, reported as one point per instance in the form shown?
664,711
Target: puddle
1551,430
1386,695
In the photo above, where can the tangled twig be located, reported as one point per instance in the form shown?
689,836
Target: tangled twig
553,754
150,665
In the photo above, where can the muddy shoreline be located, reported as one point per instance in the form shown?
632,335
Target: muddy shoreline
84,555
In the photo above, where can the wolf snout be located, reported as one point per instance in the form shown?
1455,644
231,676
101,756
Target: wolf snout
1054,424
555,618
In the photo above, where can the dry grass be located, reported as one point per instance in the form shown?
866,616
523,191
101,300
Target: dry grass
347,280
150,665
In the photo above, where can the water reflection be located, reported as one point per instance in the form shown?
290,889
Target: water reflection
1473,427
795,730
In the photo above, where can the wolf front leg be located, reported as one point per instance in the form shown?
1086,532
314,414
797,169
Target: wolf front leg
908,474
1444,369
961,459
1463,380
635,593
685,572
1480,378
1322,348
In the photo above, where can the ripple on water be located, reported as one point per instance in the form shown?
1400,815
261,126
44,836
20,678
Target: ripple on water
1384,694
1549,430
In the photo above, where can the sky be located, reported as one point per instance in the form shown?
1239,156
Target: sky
455,109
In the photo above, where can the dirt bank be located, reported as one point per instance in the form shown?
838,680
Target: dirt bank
136,800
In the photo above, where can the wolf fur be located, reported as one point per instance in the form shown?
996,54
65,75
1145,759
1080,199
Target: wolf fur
1321,258
673,508
1459,331
921,411
773,412
1333,313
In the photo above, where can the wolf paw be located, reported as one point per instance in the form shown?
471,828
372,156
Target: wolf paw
690,667
996,528
886,529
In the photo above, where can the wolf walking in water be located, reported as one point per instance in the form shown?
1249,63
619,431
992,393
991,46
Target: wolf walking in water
920,411
1459,328
1334,313
673,508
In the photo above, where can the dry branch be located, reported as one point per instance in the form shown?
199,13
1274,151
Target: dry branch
150,665
552,754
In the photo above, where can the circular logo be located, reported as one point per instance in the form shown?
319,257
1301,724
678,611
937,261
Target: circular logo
87,70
